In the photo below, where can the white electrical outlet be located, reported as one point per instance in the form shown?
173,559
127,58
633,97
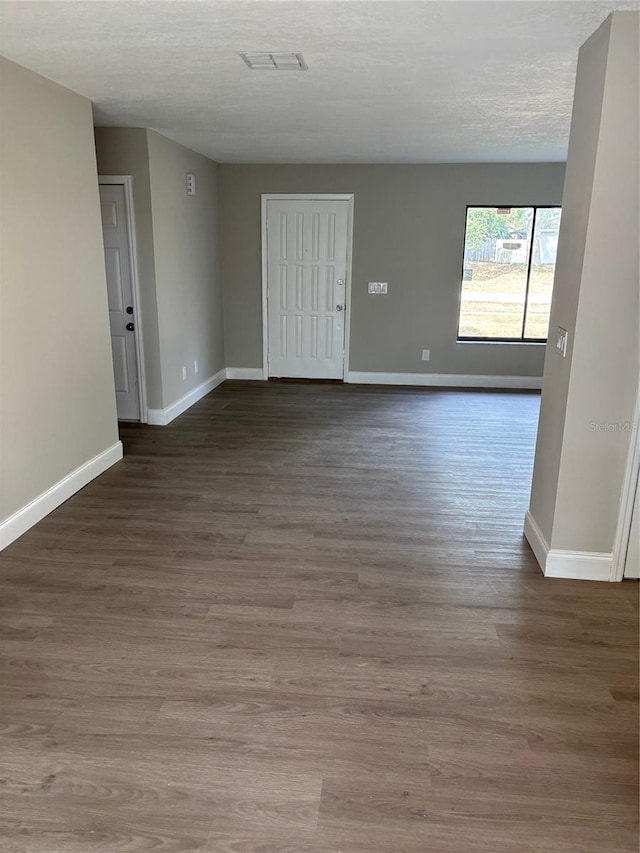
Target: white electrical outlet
195,365
184,373
379,287
426,354
561,341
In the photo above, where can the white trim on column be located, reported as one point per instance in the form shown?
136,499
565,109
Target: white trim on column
535,538
245,373
444,380
162,417
627,498
579,565
265,301
127,182
18,523
555,563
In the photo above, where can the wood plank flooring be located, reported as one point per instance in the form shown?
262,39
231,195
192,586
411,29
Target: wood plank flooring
303,619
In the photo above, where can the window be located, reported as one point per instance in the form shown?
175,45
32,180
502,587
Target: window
507,273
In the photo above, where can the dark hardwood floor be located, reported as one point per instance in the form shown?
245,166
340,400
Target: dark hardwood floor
302,618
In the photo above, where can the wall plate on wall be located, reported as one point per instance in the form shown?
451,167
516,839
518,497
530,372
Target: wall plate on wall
377,287
561,341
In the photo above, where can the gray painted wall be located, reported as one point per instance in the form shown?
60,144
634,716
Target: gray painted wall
187,263
408,230
579,467
57,406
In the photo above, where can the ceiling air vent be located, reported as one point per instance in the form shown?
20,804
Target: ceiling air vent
274,61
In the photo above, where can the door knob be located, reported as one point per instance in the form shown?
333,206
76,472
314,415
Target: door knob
130,327
339,307
129,309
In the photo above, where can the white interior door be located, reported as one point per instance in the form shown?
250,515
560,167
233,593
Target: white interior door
120,295
632,563
306,287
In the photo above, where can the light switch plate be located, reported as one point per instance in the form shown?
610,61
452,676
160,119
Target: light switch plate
377,287
561,341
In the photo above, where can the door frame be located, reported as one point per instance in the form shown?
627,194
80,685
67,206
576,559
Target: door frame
627,498
267,197
127,182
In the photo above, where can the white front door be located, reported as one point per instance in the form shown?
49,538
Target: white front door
120,296
306,287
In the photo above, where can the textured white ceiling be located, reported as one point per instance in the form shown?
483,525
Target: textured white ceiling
390,81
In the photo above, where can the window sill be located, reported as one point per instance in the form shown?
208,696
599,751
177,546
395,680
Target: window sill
500,343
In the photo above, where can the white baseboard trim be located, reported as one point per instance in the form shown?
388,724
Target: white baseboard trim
579,565
252,373
18,523
555,563
162,417
444,380
534,537
447,380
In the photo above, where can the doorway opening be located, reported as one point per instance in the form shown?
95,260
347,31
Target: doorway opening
118,230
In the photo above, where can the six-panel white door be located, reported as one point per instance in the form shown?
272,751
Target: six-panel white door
306,287
120,297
